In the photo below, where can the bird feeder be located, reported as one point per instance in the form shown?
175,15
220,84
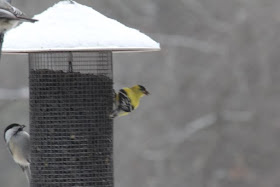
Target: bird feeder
71,92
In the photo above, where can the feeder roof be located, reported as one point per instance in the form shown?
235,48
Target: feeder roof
69,26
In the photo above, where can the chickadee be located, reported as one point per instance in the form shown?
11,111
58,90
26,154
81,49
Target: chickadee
18,143
127,100
10,16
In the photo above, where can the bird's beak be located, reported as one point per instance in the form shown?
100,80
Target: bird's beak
22,126
147,93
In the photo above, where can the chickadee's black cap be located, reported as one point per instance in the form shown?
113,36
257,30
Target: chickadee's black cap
10,127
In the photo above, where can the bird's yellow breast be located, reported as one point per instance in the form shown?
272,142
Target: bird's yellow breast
134,97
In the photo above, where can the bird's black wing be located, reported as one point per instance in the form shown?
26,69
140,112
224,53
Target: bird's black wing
7,11
125,102
7,14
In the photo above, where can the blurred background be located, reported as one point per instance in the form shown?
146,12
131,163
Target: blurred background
213,116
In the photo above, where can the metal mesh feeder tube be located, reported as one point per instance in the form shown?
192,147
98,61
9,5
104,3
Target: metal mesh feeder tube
70,129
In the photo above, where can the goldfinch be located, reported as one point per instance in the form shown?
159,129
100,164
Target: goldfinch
127,100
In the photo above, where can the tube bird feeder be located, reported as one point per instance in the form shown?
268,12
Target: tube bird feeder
71,92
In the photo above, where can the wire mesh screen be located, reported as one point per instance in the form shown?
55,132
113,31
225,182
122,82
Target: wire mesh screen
71,132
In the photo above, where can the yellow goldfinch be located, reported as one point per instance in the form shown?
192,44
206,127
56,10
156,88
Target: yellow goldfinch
127,100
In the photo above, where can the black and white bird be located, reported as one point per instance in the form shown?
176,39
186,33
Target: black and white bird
10,17
18,143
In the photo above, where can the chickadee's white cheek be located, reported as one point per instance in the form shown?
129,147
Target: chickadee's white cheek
9,134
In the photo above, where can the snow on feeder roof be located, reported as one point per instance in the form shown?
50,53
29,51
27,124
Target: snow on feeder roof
69,26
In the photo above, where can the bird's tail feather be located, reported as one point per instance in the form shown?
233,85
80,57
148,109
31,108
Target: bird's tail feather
1,43
115,113
28,173
27,19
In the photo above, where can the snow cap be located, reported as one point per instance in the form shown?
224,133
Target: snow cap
70,26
